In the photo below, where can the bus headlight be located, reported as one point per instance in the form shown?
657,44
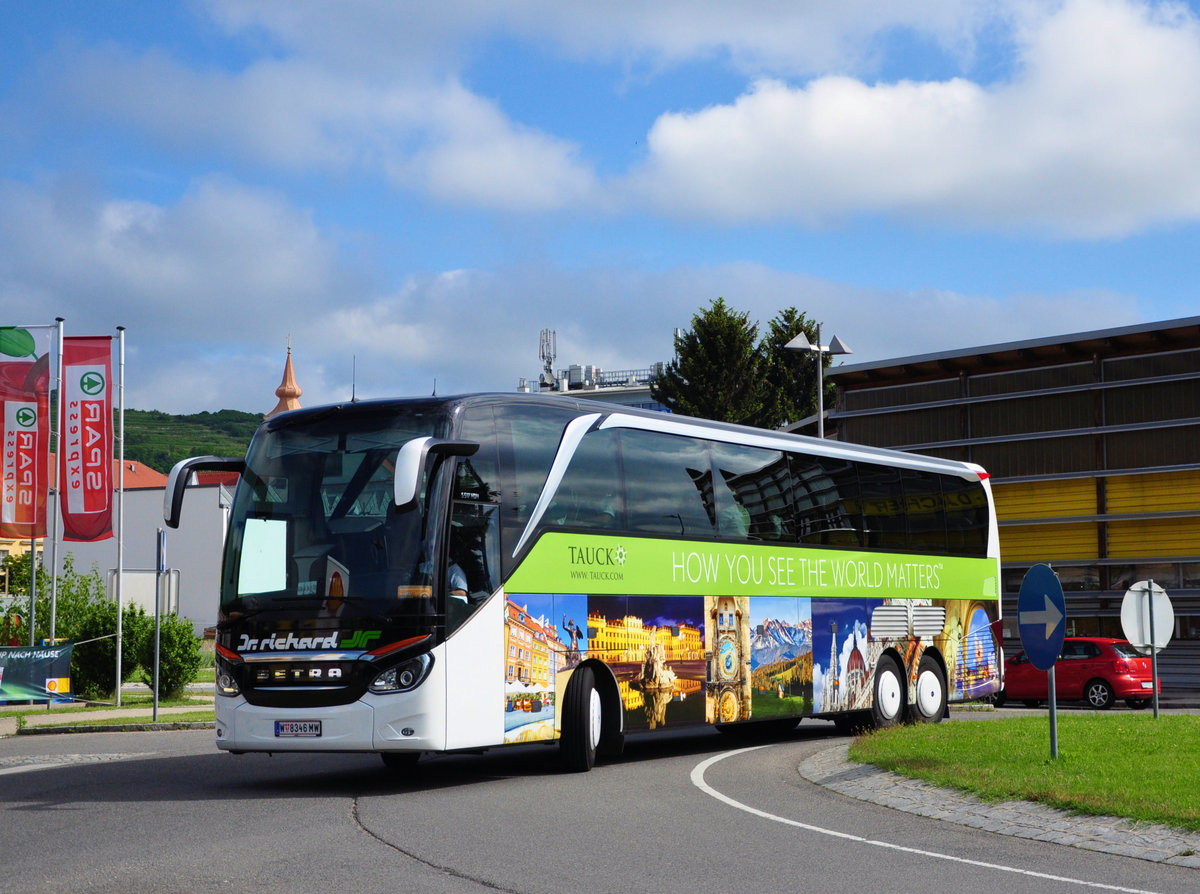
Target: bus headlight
404,676
226,683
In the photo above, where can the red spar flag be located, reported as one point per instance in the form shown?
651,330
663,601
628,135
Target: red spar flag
25,414
85,458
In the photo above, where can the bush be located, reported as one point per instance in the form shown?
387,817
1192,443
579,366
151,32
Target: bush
84,615
94,663
179,657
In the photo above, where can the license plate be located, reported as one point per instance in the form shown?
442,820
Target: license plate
1146,684
298,728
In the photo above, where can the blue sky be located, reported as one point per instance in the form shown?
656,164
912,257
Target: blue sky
410,192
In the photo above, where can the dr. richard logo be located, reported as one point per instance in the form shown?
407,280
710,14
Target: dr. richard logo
597,562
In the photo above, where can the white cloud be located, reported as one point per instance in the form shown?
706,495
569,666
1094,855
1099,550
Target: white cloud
1092,135
435,138
1095,136
212,287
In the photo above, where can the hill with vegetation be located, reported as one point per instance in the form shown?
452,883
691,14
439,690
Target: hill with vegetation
160,440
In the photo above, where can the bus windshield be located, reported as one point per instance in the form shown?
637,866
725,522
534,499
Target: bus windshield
314,527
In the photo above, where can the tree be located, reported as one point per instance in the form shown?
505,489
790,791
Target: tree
718,369
791,376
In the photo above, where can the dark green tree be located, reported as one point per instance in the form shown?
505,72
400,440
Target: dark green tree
718,370
791,376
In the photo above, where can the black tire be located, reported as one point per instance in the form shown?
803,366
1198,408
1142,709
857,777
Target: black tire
582,722
929,703
400,760
1099,694
1138,704
888,703
998,699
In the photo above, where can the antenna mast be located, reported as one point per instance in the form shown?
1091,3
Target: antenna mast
548,351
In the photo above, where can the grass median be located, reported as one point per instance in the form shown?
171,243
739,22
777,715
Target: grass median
1112,764
95,714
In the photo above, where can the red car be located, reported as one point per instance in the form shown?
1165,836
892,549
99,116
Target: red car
1095,669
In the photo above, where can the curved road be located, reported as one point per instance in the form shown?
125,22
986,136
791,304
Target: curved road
699,813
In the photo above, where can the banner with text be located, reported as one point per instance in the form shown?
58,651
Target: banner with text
605,564
35,674
25,411
85,458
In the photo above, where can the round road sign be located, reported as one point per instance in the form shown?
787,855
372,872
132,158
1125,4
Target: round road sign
1136,615
1041,616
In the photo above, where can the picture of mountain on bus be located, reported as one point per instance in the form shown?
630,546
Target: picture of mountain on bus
442,574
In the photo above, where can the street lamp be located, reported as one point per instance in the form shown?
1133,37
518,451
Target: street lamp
837,346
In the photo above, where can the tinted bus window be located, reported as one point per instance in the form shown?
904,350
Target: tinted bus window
966,516
924,510
825,501
590,494
526,441
754,502
668,484
882,507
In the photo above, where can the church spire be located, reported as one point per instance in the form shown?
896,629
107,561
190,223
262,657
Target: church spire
288,391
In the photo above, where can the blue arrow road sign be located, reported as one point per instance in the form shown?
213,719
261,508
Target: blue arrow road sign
1041,616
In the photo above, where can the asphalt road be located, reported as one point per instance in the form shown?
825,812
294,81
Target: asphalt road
164,811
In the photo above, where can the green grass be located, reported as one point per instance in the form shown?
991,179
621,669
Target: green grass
197,716
1113,764
128,700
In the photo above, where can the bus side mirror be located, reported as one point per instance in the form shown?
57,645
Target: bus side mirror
414,461
182,471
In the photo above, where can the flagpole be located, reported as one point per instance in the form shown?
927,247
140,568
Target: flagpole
56,437
120,497
32,586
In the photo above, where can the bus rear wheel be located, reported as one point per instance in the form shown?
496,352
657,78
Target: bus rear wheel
582,722
929,706
887,708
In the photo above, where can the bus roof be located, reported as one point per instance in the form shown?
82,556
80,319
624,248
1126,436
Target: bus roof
619,416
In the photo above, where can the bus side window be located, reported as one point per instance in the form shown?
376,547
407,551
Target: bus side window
668,484
754,503
526,440
966,516
473,563
590,494
825,497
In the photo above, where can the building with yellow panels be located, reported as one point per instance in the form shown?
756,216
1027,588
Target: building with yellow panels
1093,444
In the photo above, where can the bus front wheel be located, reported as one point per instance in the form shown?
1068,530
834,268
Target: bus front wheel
887,709
582,722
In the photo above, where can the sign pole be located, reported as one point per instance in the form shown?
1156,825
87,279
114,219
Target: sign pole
1053,693
1153,654
158,584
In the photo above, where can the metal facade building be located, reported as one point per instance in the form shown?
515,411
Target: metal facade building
1093,444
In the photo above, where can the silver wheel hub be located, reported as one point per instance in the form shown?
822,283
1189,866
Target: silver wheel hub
594,719
888,693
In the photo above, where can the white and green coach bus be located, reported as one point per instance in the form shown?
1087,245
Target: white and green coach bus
445,574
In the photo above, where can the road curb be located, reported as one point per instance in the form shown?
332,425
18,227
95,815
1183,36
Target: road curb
114,728
833,770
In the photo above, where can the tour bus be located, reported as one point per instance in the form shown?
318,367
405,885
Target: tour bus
456,573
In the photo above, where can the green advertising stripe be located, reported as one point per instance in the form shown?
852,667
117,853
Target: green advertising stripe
601,564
